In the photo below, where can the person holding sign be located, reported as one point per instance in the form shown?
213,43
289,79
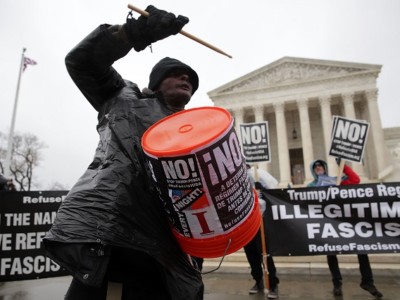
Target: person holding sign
112,225
319,170
253,249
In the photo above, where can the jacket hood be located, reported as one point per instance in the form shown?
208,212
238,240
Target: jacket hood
322,162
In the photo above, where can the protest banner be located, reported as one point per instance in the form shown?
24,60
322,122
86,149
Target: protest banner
255,141
25,217
349,219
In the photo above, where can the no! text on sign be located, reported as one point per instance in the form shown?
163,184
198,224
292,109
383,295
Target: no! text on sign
349,137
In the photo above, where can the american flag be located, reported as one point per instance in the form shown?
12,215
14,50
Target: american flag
28,61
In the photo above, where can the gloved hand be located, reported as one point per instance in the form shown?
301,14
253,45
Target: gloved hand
258,185
338,160
157,26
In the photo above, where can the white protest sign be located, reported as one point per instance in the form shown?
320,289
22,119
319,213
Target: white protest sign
349,137
255,141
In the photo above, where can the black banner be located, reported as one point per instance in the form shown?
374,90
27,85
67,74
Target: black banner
25,217
350,219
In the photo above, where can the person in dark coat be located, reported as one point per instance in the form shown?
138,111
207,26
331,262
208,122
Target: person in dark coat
319,170
112,226
261,180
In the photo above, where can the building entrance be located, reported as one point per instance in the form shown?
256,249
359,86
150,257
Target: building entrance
297,166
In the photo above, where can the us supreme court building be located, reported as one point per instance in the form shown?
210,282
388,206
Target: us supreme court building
298,97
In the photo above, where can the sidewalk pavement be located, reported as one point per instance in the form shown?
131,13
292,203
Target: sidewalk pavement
298,286
233,286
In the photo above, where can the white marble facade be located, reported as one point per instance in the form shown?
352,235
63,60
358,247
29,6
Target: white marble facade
298,98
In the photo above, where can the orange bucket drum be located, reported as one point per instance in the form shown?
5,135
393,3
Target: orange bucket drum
200,172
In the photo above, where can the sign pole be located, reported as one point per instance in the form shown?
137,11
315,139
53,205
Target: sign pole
264,252
263,243
340,171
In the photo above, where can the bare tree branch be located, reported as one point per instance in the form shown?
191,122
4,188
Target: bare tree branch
25,156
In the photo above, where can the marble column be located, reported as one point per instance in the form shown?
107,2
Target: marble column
259,117
237,114
306,141
349,112
376,132
326,120
258,113
283,150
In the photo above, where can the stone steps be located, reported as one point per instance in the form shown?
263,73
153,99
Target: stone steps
237,263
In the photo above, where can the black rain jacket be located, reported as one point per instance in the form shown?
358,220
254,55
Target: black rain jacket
114,203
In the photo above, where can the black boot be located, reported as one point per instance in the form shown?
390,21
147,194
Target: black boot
257,288
370,287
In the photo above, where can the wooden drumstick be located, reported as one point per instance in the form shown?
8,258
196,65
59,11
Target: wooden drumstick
188,35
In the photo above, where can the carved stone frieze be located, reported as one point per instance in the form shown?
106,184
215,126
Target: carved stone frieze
288,73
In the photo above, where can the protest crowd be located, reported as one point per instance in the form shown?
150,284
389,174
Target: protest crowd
115,225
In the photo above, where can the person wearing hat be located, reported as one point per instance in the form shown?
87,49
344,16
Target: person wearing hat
112,227
261,180
319,170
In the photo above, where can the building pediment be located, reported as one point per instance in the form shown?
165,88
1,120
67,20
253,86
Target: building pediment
290,70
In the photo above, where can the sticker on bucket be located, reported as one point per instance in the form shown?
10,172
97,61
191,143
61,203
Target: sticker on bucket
202,181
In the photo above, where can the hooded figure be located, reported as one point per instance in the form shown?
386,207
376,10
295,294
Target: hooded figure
322,178
319,169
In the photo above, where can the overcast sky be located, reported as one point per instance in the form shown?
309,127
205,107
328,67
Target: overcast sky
254,32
